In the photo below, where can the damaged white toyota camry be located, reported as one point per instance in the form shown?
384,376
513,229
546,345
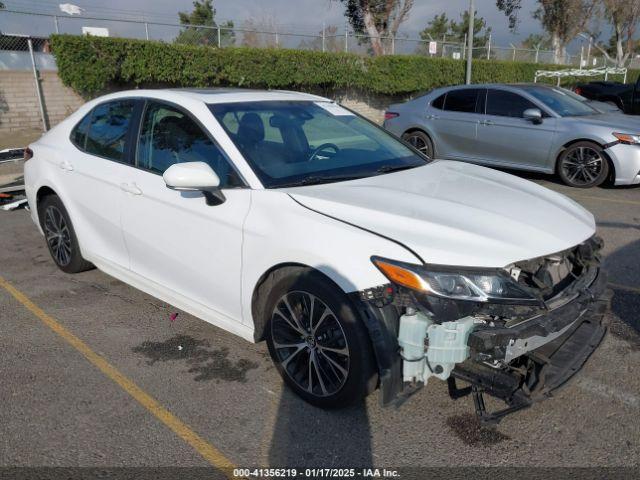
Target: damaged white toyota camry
285,217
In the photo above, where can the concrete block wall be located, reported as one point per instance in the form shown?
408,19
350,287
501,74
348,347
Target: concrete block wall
19,109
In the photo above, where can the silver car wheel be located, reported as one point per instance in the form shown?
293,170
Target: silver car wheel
58,236
582,165
419,143
310,343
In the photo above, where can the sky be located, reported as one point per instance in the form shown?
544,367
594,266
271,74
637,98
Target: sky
290,15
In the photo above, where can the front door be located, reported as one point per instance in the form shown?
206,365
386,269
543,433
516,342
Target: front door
506,138
174,238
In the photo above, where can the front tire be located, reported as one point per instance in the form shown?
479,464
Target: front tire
583,165
317,341
62,241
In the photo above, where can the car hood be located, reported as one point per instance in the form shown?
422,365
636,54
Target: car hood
456,213
625,123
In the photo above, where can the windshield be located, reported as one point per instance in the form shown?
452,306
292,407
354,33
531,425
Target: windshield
561,102
289,143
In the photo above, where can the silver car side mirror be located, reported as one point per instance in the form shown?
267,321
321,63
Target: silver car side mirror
195,176
533,114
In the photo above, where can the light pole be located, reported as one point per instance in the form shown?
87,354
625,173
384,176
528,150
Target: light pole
470,40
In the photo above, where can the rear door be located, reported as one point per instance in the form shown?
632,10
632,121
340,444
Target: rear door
506,138
94,176
455,125
175,240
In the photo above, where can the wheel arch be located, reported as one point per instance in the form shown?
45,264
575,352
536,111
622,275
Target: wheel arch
612,167
422,129
42,192
263,286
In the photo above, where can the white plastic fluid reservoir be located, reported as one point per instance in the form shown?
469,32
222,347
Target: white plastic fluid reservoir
413,330
448,344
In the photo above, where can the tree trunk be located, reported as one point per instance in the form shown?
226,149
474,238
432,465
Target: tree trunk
558,48
372,32
620,57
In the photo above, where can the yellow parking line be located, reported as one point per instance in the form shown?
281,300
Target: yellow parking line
624,287
614,200
206,450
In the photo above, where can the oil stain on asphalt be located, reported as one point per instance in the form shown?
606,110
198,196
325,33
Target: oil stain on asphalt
205,363
467,428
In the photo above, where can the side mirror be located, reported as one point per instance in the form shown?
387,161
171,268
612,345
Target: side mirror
195,176
533,114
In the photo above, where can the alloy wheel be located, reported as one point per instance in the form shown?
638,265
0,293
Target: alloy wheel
582,165
420,144
57,234
310,344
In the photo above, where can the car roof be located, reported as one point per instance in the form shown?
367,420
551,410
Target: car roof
219,95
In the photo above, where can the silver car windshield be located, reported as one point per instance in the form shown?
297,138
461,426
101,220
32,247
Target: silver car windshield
561,102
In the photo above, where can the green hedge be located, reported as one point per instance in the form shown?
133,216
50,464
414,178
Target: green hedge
91,65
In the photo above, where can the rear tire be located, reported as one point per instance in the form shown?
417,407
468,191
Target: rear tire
61,238
317,341
420,141
583,165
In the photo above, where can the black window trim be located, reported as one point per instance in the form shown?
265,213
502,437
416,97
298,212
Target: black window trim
138,131
127,148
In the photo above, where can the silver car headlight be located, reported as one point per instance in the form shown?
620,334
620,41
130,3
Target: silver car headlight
628,138
456,283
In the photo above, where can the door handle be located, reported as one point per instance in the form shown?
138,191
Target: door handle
132,189
487,122
432,117
65,165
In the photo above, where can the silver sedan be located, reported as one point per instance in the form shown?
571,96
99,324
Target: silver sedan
525,126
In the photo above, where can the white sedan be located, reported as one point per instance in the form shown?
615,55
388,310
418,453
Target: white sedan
285,217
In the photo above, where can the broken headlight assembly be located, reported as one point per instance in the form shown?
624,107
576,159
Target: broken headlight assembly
457,283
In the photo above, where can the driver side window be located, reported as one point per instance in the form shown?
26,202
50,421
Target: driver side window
169,136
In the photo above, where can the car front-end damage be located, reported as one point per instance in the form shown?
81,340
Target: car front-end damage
516,333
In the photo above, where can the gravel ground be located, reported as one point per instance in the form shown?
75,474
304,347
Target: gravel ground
59,410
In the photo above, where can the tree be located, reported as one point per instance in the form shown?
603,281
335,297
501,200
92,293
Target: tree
535,41
201,18
437,28
378,19
561,19
440,27
624,16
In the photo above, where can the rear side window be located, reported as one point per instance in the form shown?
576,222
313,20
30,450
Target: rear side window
463,100
439,102
109,128
507,104
79,133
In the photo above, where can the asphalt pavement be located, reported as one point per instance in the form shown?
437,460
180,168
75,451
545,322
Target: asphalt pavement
84,357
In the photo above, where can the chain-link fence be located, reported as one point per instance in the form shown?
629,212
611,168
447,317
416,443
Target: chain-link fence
266,34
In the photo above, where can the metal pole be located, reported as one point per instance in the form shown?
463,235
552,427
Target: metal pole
277,40
444,41
55,21
537,52
470,39
346,37
489,47
589,51
45,127
581,56
146,30
393,44
219,37
323,37
464,47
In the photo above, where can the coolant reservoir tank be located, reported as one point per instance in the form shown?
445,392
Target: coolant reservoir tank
448,345
411,338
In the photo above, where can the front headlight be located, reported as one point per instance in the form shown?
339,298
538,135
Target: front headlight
457,283
628,138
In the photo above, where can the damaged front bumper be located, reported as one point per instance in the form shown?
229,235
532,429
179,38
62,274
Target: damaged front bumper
537,356
520,361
